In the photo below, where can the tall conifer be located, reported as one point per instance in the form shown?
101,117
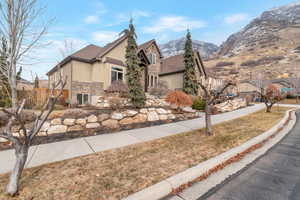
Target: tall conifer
190,85
134,71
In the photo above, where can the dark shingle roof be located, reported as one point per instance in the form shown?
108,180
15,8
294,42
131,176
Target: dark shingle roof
172,64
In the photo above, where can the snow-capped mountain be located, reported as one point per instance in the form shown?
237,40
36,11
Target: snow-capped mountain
175,47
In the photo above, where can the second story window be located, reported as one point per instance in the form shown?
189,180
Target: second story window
152,58
116,74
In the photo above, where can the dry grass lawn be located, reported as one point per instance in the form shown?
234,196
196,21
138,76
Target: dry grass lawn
117,173
290,101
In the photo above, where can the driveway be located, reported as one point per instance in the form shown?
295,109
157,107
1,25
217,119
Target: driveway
275,176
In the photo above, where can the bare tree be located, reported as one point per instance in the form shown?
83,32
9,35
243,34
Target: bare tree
271,96
211,95
67,49
18,22
22,143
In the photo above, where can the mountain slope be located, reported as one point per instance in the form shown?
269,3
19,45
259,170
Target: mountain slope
268,45
175,47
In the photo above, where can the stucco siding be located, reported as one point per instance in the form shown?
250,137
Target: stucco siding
118,52
81,71
174,81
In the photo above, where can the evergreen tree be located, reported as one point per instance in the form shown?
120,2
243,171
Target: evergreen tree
190,85
134,71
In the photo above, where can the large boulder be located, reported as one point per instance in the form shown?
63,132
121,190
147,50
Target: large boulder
92,119
75,128
130,113
140,118
69,122
92,125
117,116
161,111
111,123
152,116
56,121
127,121
103,117
57,129
81,121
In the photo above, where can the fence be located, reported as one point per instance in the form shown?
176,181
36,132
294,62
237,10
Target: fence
42,94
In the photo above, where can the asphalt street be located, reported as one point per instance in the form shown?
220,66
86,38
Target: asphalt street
275,176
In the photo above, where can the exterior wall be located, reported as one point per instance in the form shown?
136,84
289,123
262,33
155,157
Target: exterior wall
153,69
118,52
174,81
247,87
82,72
93,89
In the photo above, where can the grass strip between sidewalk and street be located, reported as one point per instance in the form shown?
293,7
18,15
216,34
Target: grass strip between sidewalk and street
117,173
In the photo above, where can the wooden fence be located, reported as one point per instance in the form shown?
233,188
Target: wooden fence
42,94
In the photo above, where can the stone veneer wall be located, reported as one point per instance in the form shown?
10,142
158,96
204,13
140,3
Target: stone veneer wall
113,121
91,88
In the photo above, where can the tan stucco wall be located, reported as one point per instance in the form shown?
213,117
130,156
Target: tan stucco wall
174,81
246,87
118,52
81,71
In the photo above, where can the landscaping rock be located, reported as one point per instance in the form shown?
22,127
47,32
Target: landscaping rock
188,109
130,113
151,109
117,116
75,128
56,121
42,133
57,129
152,116
92,119
3,140
171,116
127,121
81,122
111,123
69,122
103,117
161,111
140,118
92,125
45,126
163,117
144,111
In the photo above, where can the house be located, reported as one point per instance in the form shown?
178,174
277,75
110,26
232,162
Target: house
172,70
91,70
24,85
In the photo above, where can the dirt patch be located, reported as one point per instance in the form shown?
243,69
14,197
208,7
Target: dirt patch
114,174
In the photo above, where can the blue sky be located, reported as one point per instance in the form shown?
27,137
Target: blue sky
99,21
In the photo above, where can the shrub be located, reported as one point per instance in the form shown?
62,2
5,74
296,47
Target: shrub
116,102
160,90
179,98
198,104
118,87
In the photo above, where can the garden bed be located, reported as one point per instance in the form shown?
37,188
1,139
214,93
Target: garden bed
117,173
75,123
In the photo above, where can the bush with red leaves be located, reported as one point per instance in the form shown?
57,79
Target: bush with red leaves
179,98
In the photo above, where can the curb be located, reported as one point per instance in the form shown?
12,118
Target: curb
201,171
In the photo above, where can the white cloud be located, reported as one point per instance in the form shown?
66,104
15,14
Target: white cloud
174,23
101,9
104,37
92,19
236,18
121,18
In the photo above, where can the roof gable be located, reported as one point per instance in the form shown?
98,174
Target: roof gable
147,44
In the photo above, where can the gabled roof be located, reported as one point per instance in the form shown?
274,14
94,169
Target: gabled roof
145,45
175,64
90,53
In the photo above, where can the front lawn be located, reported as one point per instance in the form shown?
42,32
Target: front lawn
117,173
290,101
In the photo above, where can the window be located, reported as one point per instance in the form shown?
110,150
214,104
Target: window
152,58
151,81
82,99
156,83
116,74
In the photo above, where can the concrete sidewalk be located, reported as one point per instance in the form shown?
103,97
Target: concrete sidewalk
52,152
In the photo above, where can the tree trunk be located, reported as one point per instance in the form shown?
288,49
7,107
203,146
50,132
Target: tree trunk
21,153
269,107
208,126
13,83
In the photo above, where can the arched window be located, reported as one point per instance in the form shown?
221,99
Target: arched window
151,81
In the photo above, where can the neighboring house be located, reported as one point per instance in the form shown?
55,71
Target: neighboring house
24,85
91,70
172,70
